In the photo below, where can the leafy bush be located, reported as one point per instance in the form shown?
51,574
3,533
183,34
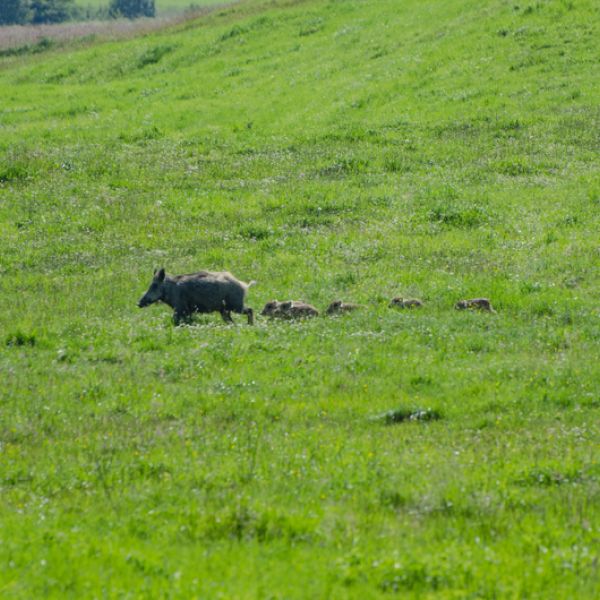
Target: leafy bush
132,9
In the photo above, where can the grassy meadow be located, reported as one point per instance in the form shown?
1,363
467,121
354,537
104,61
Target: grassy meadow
355,150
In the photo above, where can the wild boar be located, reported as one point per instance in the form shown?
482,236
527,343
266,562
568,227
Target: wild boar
477,303
201,292
290,309
338,307
406,302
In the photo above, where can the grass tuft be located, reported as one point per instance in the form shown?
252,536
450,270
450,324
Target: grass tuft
402,415
20,338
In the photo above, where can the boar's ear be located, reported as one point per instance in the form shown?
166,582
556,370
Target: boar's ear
159,275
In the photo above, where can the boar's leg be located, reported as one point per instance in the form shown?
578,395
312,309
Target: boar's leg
226,314
179,317
250,313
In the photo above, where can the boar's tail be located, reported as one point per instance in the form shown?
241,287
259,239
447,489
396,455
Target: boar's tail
250,284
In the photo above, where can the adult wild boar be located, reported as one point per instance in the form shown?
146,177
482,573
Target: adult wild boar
201,292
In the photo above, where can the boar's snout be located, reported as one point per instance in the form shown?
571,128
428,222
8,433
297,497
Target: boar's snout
154,294
143,301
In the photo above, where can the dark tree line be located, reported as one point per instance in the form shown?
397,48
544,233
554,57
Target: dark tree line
132,8
21,12
11,11
34,11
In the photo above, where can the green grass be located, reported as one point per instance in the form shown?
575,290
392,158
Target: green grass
352,150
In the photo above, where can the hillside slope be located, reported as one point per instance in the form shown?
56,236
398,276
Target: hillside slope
418,97
355,149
